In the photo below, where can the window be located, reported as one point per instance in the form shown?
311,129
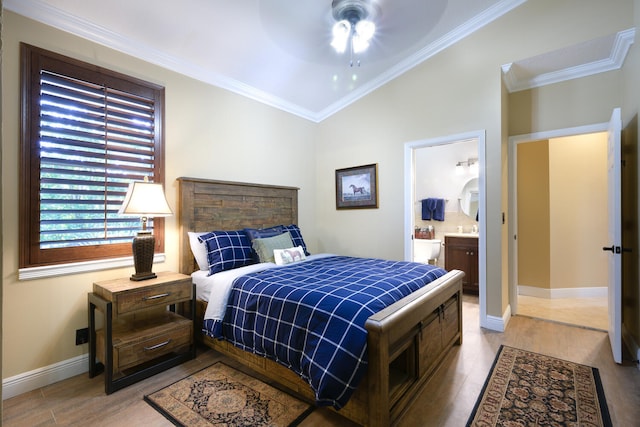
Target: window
86,133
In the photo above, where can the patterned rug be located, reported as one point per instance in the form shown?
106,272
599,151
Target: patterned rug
222,396
530,389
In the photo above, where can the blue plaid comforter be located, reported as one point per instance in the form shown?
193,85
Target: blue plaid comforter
310,316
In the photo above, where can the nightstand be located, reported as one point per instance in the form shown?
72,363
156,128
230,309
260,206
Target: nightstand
148,327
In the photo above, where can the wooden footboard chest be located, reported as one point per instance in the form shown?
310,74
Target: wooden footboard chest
407,342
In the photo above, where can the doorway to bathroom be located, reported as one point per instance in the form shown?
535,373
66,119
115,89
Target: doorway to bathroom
449,170
446,197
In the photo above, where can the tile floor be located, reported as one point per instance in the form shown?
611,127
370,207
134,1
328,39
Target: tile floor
586,312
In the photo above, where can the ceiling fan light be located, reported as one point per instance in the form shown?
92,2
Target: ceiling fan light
359,44
354,28
365,29
341,28
341,31
339,44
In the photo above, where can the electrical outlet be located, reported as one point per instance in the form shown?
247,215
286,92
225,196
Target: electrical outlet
82,336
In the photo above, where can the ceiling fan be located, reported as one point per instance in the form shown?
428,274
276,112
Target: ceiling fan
354,27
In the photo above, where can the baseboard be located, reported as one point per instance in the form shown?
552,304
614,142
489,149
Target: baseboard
498,324
532,291
41,377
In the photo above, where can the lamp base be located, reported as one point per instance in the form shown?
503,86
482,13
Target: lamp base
144,276
143,246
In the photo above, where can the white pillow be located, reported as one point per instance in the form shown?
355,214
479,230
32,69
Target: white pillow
287,256
199,250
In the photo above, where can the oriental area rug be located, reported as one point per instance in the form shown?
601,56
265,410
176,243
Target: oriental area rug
222,396
530,389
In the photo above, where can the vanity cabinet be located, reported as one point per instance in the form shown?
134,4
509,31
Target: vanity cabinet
461,253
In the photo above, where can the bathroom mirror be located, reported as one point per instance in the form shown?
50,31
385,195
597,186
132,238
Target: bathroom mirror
469,198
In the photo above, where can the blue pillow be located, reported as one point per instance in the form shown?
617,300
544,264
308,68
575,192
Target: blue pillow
296,237
261,233
227,250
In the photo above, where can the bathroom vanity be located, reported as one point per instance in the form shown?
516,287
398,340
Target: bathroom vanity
461,253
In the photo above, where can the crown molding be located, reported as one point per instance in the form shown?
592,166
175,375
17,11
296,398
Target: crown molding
615,60
46,14
49,15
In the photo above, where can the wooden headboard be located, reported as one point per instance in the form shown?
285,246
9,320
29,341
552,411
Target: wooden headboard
207,205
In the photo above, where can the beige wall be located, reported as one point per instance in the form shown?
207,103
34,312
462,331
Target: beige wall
1,239
578,211
577,102
439,98
210,133
533,215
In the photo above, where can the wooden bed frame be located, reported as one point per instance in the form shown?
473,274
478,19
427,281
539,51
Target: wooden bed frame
406,341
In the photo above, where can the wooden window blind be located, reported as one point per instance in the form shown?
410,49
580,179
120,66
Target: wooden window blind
86,133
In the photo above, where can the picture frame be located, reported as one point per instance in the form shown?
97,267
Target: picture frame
357,187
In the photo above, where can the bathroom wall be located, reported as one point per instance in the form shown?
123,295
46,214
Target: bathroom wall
436,176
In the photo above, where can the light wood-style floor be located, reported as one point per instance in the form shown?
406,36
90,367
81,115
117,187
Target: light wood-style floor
589,312
447,400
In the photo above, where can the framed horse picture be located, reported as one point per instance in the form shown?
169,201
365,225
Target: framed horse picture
357,187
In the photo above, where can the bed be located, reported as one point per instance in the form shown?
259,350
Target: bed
406,341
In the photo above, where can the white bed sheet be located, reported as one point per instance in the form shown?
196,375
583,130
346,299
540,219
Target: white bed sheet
215,289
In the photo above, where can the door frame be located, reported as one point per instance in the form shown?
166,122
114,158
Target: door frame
513,185
409,191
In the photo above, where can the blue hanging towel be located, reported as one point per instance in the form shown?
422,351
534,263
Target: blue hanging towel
438,213
433,208
426,209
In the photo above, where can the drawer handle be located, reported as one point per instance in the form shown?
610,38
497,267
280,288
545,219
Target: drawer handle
156,296
157,346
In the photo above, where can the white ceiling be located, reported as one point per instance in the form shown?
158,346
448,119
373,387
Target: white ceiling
277,51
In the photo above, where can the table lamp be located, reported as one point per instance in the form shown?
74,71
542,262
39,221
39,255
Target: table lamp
145,199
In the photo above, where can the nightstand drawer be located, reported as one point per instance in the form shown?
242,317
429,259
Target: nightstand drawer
153,296
146,340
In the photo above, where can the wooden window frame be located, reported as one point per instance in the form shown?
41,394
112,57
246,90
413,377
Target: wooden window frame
33,60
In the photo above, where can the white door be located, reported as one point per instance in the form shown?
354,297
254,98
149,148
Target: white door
614,245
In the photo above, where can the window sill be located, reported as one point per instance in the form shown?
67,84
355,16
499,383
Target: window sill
32,273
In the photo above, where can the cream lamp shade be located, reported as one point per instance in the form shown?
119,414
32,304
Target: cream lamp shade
145,199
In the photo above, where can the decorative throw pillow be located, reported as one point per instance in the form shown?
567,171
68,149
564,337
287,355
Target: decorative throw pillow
227,250
199,250
287,256
264,247
296,237
261,233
